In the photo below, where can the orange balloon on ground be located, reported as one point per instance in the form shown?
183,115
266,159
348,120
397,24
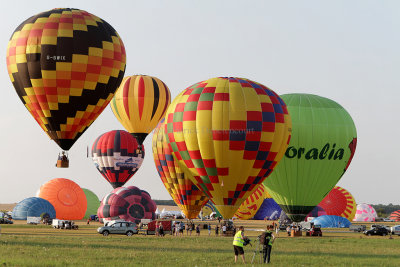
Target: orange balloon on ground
66,196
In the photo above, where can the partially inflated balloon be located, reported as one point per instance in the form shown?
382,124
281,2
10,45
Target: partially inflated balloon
229,133
395,215
93,203
339,202
65,65
67,198
251,205
182,190
140,103
269,210
117,157
33,207
365,213
321,148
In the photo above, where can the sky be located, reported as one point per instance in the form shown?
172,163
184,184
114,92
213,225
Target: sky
347,51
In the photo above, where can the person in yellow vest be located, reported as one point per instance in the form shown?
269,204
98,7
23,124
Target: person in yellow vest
238,244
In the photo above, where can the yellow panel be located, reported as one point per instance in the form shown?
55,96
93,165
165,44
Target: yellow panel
90,85
104,79
108,45
33,49
90,22
27,27
47,113
80,58
94,51
65,33
79,114
53,106
21,58
70,121
75,91
49,74
63,99
49,40
90,108
29,91
65,66
79,27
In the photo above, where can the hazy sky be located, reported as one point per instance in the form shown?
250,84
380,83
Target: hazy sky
347,51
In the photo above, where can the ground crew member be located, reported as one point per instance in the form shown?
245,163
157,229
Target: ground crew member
268,241
238,244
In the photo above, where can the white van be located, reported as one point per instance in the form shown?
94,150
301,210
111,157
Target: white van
396,230
33,220
57,223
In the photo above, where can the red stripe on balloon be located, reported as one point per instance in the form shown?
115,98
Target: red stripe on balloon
141,94
125,96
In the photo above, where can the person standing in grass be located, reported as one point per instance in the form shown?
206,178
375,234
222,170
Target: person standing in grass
216,230
267,239
198,230
238,244
209,229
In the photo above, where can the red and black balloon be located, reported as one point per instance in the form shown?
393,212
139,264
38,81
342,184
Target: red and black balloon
127,203
117,156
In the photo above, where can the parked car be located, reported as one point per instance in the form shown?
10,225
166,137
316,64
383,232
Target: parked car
357,228
124,228
5,221
377,231
388,220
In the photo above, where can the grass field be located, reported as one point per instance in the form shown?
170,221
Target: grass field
25,245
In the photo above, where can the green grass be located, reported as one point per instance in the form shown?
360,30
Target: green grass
23,245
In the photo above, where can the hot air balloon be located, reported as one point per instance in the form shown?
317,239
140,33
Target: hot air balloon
93,203
182,190
365,213
316,212
339,202
65,65
320,151
67,198
140,103
251,205
33,207
269,210
229,134
117,156
127,203
209,210
395,215
331,221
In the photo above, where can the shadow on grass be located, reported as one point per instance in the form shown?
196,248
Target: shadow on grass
136,245
333,254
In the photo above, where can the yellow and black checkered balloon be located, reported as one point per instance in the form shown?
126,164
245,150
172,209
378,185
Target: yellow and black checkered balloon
65,65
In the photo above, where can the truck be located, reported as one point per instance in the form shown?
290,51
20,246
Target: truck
357,228
151,227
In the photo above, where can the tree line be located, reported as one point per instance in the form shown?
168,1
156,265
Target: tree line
385,210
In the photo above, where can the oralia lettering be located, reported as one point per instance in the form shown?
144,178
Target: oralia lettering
327,152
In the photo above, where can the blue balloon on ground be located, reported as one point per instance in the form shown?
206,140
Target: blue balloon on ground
269,210
331,221
33,207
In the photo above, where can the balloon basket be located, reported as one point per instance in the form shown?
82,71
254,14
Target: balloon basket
296,233
62,163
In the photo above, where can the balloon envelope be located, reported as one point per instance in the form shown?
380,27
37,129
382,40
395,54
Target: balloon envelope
67,198
228,134
65,65
395,215
316,212
116,156
93,203
269,210
33,207
250,206
127,203
365,213
140,103
321,148
331,221
339,202
183,191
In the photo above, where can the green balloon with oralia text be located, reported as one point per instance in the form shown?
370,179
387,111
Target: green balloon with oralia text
322,145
